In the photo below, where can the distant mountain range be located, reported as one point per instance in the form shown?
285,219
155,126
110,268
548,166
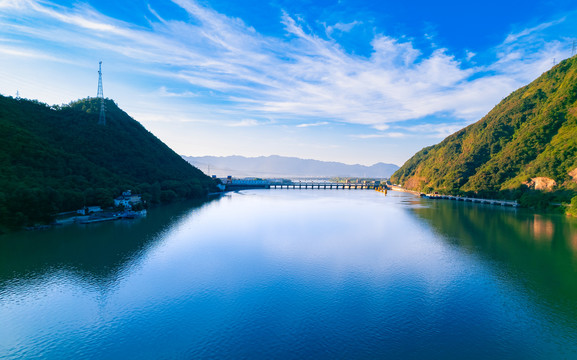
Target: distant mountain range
285,167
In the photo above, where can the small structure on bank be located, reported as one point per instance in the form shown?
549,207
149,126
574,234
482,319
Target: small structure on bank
89,210
128,200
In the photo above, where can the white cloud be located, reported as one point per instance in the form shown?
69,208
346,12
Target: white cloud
435,131
368,136
392,134
244,123
26,53
342,27
346,27
298,76
320,123
163,91
381,127
15,4
396,135
531,31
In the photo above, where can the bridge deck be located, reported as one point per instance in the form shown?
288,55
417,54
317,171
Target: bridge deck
343,186
325,186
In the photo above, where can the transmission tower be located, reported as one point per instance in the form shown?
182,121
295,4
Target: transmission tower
102,118
573,49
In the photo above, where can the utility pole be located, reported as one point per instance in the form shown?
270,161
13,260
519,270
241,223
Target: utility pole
100,94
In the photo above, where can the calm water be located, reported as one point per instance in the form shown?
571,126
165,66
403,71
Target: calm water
296,274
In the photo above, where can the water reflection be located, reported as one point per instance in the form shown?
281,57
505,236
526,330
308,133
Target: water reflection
293,274
542,228
537,250
94,252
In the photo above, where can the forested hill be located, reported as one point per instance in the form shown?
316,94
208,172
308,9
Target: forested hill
528,141
56,159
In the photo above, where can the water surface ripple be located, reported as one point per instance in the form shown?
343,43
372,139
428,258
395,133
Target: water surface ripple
295,274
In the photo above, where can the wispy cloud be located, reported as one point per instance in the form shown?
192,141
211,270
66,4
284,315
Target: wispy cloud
435,131
531,31
342,27
163,91
424,130
299,76
26,53
244,123
369,136
390,135
320,123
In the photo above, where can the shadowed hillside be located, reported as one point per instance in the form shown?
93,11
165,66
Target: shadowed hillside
56,159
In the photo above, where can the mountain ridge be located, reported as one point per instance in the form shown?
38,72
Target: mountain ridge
283,166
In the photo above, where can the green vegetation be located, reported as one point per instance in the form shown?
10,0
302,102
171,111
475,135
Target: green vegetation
56,159
525,148
572,209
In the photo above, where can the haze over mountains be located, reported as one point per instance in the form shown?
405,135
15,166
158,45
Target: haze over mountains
526,142
285,167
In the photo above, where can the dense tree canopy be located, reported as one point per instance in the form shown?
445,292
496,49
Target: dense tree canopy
56,159
531,133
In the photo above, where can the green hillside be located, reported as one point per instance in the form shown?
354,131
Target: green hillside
56,159
527,142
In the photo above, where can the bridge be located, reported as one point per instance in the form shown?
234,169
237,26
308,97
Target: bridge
244,184
343,186
235,184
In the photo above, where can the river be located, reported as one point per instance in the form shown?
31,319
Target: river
296,274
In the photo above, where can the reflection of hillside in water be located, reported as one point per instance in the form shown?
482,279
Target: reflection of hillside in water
538,250
573,243
95,252
542,228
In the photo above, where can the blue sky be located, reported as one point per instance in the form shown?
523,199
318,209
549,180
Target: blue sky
338,80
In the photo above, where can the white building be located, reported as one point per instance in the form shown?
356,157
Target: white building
127,199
